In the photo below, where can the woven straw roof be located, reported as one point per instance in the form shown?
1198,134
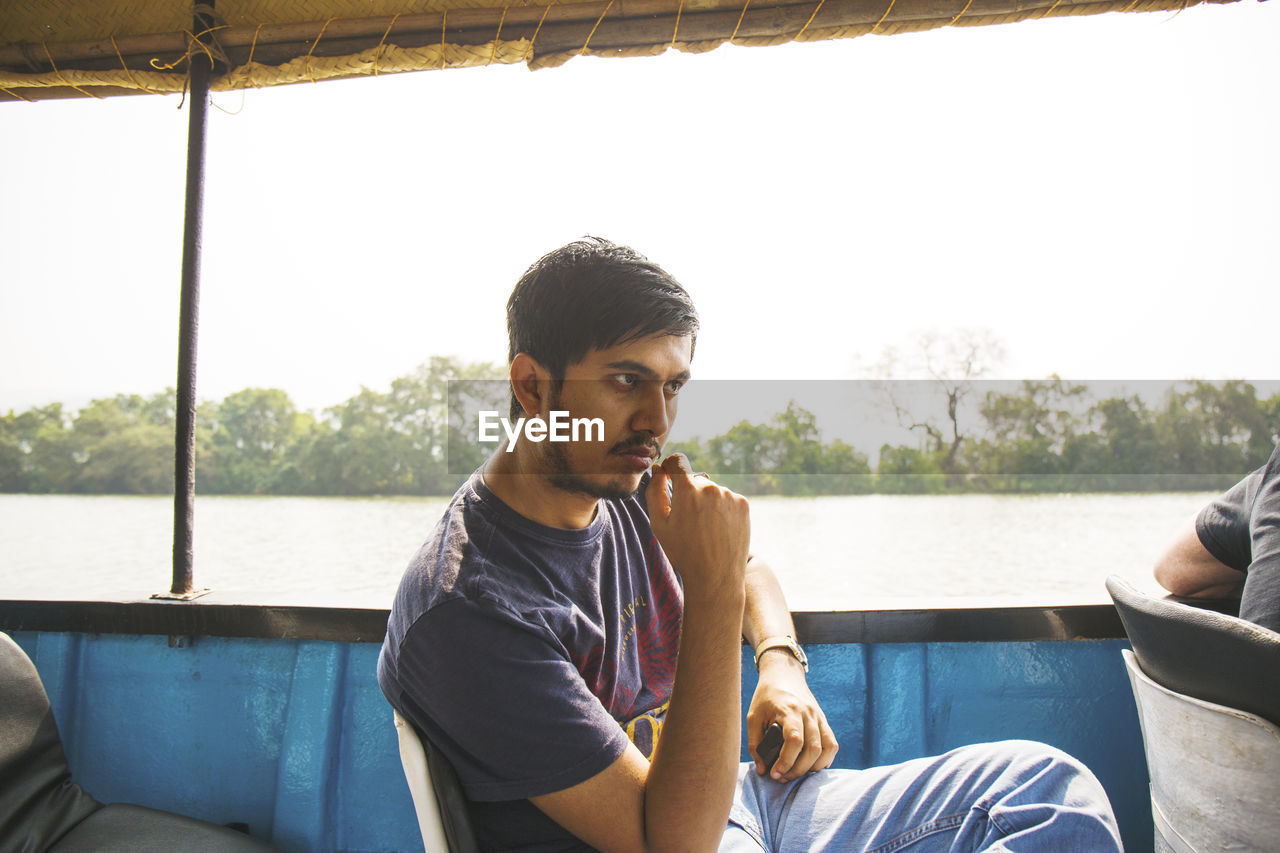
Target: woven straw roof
97,48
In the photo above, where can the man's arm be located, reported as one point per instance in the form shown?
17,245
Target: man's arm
680,801
1188,569
782,693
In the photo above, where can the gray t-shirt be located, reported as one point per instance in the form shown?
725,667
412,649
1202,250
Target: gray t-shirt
529,655
1241,529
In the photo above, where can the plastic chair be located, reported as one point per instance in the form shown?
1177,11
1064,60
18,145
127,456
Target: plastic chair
1206,687
42,809
438,800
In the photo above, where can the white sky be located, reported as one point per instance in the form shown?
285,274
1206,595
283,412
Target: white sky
1102,192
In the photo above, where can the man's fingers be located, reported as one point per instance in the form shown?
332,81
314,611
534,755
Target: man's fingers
655,494
677,468
806,749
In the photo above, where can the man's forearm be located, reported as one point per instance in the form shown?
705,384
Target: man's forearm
765,613
694,770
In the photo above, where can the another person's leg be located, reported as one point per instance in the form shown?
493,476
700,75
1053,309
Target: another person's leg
1007,796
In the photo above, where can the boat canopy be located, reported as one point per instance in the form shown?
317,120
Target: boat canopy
99,48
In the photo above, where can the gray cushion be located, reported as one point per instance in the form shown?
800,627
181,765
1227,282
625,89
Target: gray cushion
38,801
121,828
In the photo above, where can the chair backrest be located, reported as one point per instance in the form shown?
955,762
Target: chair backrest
39,803
1202,653
1213,771
437,794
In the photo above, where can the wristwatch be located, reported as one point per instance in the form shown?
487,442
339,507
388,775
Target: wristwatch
787,642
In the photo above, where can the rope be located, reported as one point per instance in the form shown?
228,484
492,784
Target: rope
307,65
248,63
816,10
536,30
136,81
64,79
193,40
444,28
497,37
16,95
583,52
679,10
1049,11
738,25
882,17
377,56
962,11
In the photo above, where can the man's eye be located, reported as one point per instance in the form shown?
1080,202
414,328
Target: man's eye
674,386
627,380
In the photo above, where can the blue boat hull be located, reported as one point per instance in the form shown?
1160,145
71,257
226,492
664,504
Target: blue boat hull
294,738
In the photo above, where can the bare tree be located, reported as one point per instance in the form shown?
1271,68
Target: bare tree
946,364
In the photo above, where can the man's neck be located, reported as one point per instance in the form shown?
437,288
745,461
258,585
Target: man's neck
519,483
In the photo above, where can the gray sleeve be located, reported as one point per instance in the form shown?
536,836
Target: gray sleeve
1223,525
1261,598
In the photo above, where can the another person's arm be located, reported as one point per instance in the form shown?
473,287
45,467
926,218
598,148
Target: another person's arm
680,801
1187,568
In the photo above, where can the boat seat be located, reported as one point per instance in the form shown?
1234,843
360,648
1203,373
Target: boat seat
438,800
43,810
1205,685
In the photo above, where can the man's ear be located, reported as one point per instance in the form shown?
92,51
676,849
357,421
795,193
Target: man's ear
530,382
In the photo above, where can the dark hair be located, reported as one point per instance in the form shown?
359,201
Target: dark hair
592,294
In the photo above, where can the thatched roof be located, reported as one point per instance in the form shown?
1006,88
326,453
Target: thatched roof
96,48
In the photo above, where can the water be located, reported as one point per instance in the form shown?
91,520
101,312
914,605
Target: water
832,553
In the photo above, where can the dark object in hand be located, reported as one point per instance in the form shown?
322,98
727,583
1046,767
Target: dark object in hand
770,745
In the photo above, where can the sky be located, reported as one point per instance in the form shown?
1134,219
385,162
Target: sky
1100,193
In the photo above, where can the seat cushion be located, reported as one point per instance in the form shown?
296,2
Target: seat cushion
38,801
121,828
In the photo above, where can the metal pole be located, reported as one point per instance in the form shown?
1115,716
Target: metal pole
184,475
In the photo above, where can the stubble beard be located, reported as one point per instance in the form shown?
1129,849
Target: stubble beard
560,473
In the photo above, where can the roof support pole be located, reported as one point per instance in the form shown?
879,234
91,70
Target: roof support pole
184,476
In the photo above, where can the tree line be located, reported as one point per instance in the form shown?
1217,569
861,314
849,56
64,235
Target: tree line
1038,436
1041,435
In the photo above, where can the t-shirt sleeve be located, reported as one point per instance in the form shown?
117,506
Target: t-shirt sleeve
1261,600
1223,525
504,703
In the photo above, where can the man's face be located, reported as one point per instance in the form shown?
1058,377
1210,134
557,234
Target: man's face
633,387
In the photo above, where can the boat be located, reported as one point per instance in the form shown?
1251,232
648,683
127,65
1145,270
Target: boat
270,716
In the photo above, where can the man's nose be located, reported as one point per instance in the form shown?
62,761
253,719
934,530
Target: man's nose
653,416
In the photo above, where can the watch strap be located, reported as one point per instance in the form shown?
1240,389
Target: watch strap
786,642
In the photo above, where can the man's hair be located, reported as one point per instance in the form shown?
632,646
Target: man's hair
592,294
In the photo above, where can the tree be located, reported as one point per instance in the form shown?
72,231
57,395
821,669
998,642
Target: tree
37,453
124,445
254,435
1032,435
949,363
398,442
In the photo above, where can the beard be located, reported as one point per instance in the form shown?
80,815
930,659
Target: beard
561,475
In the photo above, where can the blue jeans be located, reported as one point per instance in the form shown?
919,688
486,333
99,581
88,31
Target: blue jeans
1007,796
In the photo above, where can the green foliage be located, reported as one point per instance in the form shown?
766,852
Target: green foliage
786,456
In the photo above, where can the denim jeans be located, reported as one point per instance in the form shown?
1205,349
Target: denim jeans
1007,796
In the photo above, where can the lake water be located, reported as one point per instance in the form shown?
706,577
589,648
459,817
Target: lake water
832,553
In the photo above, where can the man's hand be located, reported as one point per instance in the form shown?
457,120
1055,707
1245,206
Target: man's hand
783,696
705,529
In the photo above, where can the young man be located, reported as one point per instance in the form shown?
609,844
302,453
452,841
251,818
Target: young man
570,635
1234,542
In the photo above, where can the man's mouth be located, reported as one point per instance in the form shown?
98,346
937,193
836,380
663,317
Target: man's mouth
640,455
